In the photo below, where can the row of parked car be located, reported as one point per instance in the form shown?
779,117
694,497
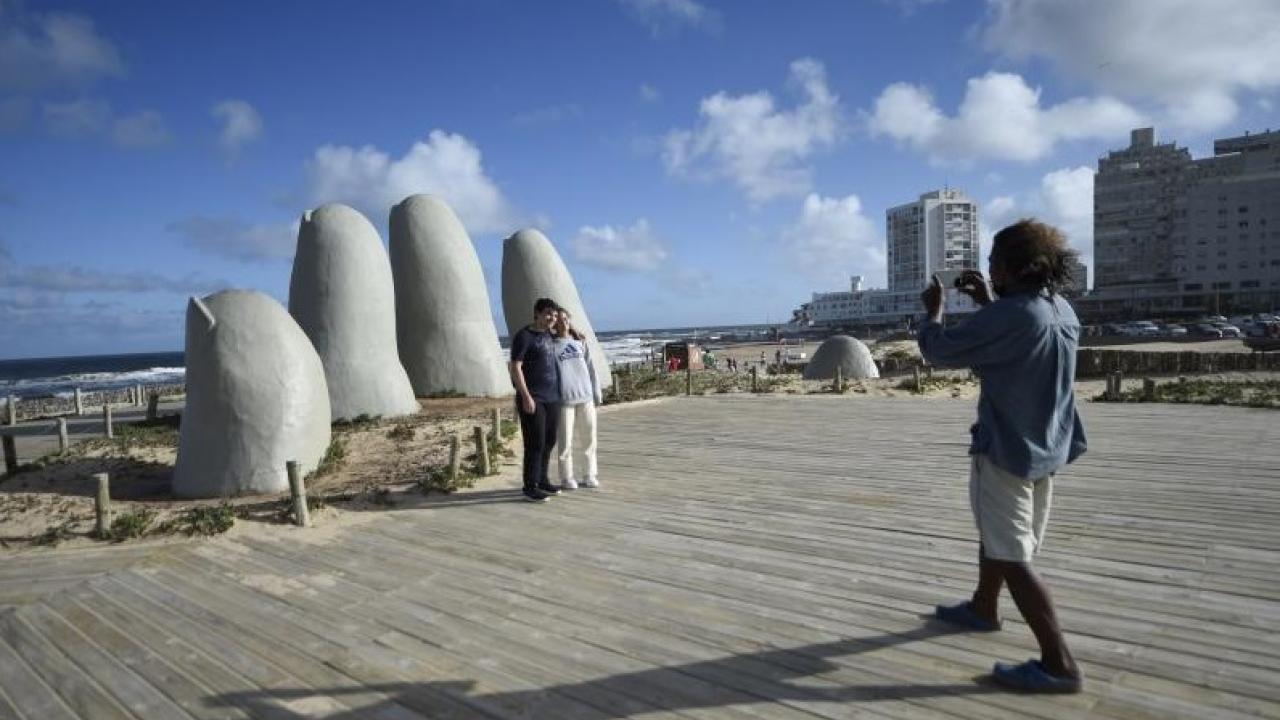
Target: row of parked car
1213,326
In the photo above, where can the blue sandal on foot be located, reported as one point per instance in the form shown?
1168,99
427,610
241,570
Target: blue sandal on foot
964,616
1031,677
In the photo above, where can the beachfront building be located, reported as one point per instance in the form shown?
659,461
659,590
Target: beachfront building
1177,235
938,231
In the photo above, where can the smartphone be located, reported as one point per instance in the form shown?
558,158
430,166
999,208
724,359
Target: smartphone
948,278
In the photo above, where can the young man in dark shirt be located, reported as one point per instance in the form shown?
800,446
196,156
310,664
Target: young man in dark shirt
534,374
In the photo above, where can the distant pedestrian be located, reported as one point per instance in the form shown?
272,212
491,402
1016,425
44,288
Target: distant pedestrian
1022,347
579,396
535,377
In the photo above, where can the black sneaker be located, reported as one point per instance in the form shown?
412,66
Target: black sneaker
549,489
535,495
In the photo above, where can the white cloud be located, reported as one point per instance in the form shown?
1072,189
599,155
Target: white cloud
55,49
238,240
86,118
447,165
832,239
999,118
140,130
752,143
629,248
665,16
1193,57
649,93
241,124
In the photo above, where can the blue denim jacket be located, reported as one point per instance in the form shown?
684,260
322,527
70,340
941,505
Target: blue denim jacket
1022,347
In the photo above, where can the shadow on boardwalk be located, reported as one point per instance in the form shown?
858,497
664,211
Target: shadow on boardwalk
764,677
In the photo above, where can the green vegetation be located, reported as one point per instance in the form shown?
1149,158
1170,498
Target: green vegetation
645,383
937,382
129,525
335,456
163,432
446,394
1242,393
53,535
436,479
401,433
205,521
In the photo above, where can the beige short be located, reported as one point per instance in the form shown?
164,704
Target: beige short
1011,512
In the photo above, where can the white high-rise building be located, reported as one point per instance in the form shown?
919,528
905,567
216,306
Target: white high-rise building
937,232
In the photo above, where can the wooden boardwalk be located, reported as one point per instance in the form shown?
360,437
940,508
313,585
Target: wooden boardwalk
748,557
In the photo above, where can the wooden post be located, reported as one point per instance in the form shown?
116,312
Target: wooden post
63,443
79,402
298,491
102,507
455,456
10,454
497,427
688,380
839,384
1148,389
919,382
482,452
153,406
12,412
754,386
107,429
928,371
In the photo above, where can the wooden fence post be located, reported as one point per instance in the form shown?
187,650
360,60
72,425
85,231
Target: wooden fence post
298,491
455,456
839,381
107,429
1148,389
153,406
102,506
919,380
497,426
79,402
482,452
11,411
688,380
754,386
64,443
10,454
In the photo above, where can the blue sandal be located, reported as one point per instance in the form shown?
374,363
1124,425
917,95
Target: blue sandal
1031,677
964,616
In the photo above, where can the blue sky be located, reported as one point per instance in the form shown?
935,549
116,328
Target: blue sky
695,162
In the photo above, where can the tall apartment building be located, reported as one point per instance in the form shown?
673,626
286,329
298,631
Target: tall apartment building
937,232
1139,201
1176,234
1230,252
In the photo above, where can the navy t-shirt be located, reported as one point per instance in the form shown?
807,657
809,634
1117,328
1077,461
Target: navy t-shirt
537,351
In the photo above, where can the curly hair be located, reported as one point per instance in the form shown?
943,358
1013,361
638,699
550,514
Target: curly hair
1035,253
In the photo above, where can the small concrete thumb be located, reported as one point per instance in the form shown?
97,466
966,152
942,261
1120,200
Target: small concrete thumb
847,353
448,342
256,398
341,294
532,269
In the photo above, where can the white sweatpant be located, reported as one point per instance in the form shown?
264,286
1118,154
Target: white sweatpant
577,440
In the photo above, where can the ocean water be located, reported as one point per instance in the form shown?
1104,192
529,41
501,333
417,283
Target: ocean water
45,377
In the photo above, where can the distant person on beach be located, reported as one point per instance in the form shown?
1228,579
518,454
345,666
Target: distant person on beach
579,396
537,382
1022,346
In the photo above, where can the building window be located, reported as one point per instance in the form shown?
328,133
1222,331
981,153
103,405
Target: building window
1225,285
1193,286
1244,284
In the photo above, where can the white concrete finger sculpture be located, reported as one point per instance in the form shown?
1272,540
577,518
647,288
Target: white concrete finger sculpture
448,342
256,398
531,268
341,294
847,353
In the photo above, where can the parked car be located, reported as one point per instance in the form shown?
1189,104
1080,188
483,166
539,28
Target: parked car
1144,328
1172,330
1204,330
1229,330
1215,319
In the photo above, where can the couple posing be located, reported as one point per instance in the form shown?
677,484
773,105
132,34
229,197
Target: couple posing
556,397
